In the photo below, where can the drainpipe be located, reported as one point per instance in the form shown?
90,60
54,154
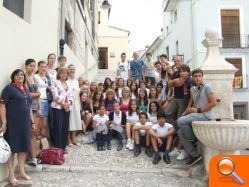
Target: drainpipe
62,29
193,25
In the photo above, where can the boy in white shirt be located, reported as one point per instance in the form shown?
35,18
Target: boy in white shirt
123,68
161,134
100,121
141,130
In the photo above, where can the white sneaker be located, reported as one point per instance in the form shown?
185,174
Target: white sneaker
175,152
182,156
131,147
128,144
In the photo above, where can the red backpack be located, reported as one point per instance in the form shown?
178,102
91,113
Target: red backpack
53,156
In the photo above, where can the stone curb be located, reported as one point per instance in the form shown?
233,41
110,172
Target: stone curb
53,168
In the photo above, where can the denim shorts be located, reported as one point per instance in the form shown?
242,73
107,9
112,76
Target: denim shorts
44,108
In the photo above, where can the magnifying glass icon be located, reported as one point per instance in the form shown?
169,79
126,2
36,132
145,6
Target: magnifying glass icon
226,167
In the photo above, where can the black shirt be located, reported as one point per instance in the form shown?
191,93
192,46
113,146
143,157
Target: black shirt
178,91
186,90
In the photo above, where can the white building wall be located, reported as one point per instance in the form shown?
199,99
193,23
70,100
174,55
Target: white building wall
38,34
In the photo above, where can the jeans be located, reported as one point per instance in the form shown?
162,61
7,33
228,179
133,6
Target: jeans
186,134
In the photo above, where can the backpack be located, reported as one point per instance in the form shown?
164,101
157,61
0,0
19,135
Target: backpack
53,156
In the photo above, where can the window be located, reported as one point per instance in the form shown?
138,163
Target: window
177,47
240,111
175,16
167,30
103,58
99,17
239,78
17,7
230,26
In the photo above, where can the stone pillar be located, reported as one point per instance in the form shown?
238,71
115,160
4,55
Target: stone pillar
219,74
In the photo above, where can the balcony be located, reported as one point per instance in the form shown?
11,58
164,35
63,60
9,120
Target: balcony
240,82
235,41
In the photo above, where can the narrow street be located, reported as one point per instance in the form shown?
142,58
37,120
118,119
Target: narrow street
85,166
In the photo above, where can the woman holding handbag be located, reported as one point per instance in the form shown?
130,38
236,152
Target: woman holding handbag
16,101
61,107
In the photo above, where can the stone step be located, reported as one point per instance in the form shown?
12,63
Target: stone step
103,73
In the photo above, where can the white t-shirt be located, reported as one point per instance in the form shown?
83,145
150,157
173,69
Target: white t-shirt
142,131
152,118
100,119
133,118
42,86
123,68
162,130
117,118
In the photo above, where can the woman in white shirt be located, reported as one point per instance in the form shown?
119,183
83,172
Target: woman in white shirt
42,83
61,106
74,119
50,69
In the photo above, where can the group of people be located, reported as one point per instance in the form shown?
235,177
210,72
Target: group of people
149,104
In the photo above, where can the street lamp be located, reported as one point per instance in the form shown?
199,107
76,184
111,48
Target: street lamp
106,5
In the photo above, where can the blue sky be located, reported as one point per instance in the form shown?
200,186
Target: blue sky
143,18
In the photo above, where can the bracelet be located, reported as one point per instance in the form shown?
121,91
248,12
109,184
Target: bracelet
199,110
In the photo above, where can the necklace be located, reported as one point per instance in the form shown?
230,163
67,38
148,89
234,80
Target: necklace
23,88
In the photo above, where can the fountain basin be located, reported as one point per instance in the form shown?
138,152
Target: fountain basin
221,137
227,135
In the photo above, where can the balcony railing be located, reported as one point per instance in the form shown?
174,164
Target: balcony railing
235,41
240,82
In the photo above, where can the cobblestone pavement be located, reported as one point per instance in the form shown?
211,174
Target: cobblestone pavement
85,166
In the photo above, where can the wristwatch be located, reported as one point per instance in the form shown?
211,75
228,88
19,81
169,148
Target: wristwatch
199,110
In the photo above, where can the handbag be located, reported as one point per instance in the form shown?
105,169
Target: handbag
48,91
5,150
53,156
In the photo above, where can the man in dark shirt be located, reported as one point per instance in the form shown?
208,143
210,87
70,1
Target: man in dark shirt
175,94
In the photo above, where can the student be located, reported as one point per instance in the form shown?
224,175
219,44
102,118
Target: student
117,120
100,121
96,101
115,88
142,101
149,69
125,99
134,92
86,111
123,68
137,67
109,100
153,110
141,131
200,108
62,60
153,96
132,116
161,94
121,85
107,83
187,83
161,138
149,84
93,88
157,71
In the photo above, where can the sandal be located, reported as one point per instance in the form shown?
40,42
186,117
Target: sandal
76,143
25,177
13,182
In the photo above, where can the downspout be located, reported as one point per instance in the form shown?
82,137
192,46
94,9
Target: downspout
62,28
193,44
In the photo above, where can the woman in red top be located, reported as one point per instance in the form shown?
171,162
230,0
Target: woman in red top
125,99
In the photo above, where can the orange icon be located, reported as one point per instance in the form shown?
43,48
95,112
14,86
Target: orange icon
226,167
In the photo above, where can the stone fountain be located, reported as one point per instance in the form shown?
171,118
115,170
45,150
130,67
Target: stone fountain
224,135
